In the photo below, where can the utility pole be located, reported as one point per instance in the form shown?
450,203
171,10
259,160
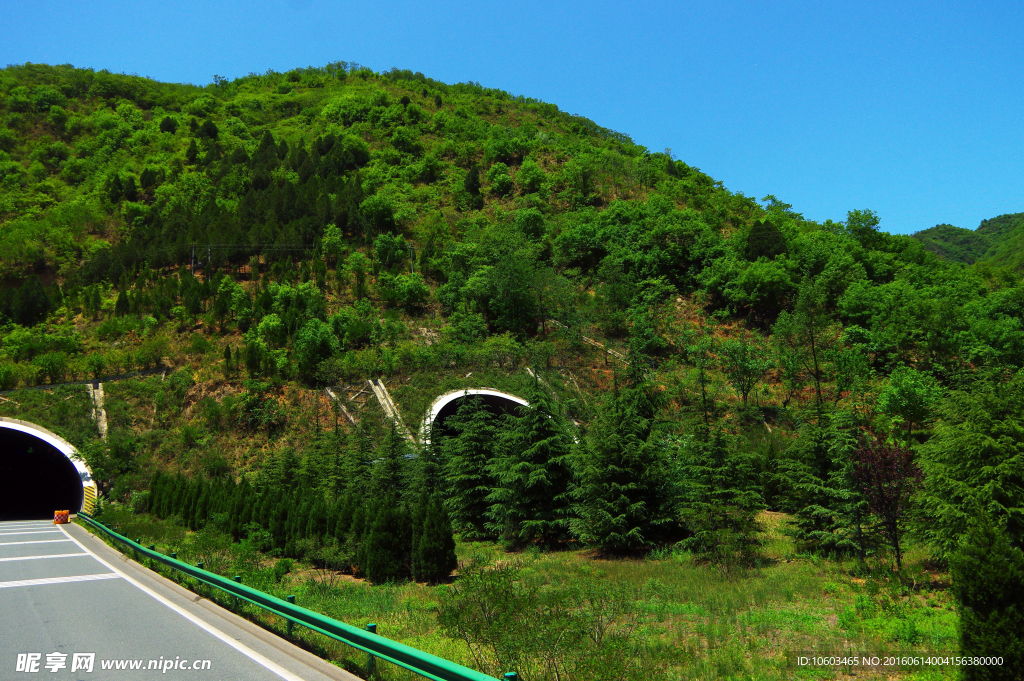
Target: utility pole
192,263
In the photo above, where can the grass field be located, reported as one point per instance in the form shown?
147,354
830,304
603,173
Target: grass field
673,618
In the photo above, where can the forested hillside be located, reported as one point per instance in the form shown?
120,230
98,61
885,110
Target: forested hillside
262,238
997,242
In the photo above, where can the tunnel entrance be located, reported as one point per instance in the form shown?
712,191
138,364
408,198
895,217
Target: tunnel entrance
446,406
37,477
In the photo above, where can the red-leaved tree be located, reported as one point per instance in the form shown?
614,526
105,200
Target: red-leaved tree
888,476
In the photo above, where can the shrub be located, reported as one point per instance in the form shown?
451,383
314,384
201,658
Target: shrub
501,182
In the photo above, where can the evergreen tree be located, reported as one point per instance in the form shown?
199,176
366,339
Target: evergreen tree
832,515
386,551
427,472
972,463
433,556
357,458
389,468
622,497
30,304
988,582
531,501
467,456
719,500
122,304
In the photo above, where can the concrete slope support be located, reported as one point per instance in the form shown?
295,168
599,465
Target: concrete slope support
388,405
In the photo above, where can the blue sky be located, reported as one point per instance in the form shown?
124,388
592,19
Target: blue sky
911,109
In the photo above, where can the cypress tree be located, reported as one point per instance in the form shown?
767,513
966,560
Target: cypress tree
388,473
386,551
356,464
467,457
434,556
531,501
121,306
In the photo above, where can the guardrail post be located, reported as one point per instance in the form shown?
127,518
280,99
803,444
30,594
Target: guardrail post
238,578
511,676
291,599
174,555
371,660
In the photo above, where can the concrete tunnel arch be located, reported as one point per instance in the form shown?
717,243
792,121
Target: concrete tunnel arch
496,401
41,472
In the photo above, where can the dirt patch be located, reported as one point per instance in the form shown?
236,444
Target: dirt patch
218,390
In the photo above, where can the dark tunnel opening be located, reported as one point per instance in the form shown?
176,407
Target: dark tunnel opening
37,478
495,404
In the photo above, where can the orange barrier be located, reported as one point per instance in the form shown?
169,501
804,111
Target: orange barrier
61,517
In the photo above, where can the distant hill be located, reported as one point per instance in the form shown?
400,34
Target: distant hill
998,242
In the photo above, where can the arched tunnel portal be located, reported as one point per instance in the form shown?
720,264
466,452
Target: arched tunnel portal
41,472
445,406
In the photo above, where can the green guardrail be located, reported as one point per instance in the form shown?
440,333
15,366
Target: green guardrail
424,664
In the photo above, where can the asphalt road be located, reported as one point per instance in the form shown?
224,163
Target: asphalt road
64,594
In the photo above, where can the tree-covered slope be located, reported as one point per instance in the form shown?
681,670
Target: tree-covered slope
279,233
997,242
91,159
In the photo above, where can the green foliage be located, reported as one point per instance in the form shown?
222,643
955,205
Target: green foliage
530,501
972,463
910,396
623,496
386,554
467,455
508,623
988,582
719,500
433,552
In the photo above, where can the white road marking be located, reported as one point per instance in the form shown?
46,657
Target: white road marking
35,541
3,534
54,555
206,626
59,580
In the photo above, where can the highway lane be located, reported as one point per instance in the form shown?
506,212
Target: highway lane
66,596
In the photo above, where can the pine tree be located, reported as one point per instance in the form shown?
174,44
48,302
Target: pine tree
531,501
386,551
623,496
434,556
467,456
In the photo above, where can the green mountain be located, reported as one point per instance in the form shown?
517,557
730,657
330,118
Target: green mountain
277,243
997,242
